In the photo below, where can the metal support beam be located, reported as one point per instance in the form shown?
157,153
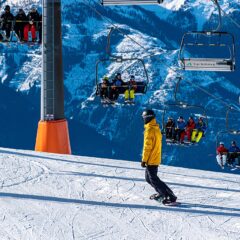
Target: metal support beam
52,92
52,135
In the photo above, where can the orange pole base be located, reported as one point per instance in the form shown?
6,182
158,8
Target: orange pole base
53,137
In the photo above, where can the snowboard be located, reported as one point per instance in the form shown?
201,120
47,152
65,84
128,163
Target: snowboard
159,200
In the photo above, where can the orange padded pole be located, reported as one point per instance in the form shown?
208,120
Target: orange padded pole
53,137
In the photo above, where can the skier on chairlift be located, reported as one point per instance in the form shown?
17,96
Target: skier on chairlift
105,90
33,18
129,93
234,153
117,84
199,130
180,130
221,155
170,128
6,23
20,22
189,128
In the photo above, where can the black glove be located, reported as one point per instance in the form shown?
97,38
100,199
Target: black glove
143,164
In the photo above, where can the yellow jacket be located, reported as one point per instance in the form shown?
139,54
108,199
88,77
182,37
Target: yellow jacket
152,147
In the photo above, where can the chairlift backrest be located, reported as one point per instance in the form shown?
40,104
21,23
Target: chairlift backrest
130,2
141,86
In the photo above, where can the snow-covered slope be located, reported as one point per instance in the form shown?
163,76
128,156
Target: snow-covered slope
159,29
59,197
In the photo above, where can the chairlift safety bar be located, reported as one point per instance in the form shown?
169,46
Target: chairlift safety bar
130,2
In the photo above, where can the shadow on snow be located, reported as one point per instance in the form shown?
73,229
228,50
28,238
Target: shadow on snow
185,207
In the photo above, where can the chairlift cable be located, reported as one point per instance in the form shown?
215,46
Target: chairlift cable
219,16
114,25
233,21
212,95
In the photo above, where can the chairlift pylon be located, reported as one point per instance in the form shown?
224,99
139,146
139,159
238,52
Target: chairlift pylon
207,40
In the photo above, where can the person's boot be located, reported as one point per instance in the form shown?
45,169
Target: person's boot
169,200
158,197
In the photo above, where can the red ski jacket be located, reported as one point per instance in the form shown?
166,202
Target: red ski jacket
190,125
221,150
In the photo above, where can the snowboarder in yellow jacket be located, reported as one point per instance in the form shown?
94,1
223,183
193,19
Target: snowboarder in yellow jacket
151,158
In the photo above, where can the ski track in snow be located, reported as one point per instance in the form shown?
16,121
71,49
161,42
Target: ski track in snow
47,196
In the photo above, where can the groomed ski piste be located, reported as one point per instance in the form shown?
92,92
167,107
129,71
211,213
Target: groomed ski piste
48,196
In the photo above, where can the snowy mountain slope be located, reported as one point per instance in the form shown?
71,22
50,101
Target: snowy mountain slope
159,29
56,197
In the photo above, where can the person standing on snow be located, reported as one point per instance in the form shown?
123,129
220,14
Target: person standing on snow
151,158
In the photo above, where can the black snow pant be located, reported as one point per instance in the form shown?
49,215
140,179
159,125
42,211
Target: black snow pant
159,186
7,27
19,29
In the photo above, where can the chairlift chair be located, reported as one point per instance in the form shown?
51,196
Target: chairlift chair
170,107
216,40
130,2
201,111
199,40
141,86
177,104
